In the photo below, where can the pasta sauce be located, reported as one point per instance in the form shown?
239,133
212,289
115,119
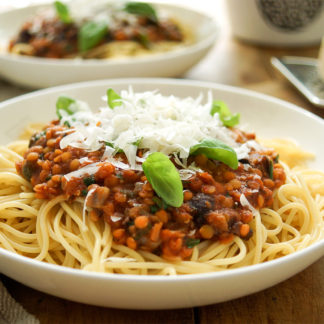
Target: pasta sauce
218,201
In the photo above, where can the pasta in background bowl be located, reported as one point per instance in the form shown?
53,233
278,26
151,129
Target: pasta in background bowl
171,291
161,61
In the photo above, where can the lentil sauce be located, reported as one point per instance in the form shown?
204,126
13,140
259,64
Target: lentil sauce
138,218
56,39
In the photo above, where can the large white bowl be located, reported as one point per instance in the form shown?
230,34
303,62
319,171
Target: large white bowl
33,72
266,115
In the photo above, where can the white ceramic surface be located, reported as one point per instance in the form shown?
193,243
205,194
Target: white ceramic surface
34,72
284,23
266,115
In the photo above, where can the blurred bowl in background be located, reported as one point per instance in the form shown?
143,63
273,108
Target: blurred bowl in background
35,72
284,23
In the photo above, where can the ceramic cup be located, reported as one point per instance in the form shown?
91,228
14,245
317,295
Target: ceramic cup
284,23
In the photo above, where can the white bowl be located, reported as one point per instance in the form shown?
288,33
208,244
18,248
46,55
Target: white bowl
33,72
268,116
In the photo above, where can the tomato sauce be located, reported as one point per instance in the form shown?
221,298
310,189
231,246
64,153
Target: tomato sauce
139,218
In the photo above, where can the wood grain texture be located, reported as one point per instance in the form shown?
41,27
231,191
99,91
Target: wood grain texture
297,300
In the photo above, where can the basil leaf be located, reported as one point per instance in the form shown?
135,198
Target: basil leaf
230,121
191,242
138,142
62,12
141,9
63,103
117,149
216,150
27,171
90,34
270,169
225,115
89,180
160,203
144,40
276,159
164,178
112,96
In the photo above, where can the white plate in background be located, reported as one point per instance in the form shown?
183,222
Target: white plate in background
35,72
268,116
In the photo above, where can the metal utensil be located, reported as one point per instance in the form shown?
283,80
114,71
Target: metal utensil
302,72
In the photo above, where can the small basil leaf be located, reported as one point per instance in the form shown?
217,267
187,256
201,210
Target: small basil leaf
117,149
164,178
160,203
89,180
231,121
62,12
276,159
27,171
191,242
144,40
138,142
90,34
220,107
141,9
63,103
216,150
112,98
225,115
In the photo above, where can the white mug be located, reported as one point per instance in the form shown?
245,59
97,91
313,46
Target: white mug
277,22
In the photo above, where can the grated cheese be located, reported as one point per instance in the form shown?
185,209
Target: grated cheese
167,124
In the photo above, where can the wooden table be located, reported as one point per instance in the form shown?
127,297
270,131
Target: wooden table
297,300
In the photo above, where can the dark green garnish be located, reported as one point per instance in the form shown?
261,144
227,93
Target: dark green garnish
154,209
191,242
84,192
62,12
138,142
35,138
276,159
141,9
27,171
91,34
142,232
119,176
49,177
113,99
117,149
270,169
225,115
67,124
216,150
164,178
89,180
144,40
160,203
64,103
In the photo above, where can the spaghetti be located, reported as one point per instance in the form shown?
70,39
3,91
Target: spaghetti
63,232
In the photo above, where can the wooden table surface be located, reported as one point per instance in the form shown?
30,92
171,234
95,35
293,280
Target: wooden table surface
297,300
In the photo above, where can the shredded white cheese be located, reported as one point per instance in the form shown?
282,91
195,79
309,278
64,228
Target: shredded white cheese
245,203
167,124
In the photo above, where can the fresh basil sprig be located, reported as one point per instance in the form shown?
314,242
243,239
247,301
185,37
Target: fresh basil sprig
62,12
141,9
64,103
112,96
90,34
225,115
164,178
216,150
